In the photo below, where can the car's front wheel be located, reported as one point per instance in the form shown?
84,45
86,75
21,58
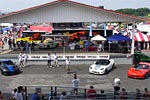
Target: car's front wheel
1,72
147,75
113,66
106,71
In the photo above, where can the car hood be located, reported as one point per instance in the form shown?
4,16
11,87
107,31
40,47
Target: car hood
11,67
136,71
98,66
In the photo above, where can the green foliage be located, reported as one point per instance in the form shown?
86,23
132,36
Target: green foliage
135,12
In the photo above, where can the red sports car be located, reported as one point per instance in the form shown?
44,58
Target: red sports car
141,70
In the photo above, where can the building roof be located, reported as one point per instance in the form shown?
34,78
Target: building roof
109,12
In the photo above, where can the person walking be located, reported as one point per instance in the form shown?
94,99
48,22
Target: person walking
20,57
56,60
67,64
49,61
25,59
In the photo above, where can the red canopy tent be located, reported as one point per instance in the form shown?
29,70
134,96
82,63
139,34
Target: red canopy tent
140,37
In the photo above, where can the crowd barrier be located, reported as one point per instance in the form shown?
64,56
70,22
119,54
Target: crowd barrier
71,57
55,91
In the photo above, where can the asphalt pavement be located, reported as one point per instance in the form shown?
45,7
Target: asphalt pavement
36,74
40,76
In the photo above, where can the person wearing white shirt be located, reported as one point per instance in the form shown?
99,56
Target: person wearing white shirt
116,85
20,58
49,61
25,58
67,64
75,84
19,94
13,93
56,60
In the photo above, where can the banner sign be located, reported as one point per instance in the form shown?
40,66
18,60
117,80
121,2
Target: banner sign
71,57
42,28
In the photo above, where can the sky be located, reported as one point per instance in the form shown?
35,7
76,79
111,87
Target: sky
15,5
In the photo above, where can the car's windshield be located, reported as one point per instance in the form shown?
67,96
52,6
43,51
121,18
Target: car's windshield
141,66
103,62
8,63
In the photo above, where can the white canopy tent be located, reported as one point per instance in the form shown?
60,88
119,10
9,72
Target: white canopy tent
98,38
6,24
144,28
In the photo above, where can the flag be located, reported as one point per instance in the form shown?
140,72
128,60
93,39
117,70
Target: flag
105,34
90,30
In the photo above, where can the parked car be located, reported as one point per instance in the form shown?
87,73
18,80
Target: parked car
140,57
102,66
8,67
48,44
28,39
92,47
141,70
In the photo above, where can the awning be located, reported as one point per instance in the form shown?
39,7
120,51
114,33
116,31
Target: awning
140,37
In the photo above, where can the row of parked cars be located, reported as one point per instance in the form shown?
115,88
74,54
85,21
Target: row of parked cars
139,69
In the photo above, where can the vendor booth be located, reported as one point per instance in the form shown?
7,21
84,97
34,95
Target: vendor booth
118,43
98,38
141,41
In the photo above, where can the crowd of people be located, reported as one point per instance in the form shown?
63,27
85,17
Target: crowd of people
21,93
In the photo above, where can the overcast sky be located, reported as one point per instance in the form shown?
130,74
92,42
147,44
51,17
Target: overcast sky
14,5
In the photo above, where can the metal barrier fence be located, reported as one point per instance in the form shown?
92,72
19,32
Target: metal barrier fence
55,92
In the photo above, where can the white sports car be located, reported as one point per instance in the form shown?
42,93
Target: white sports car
101,66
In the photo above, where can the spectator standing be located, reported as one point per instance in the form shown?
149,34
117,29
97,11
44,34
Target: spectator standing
10,43
1,95
81,42
20,57
99,47
146,94
25,59
75,84
63,96
102,95
35,96
26,47
32,46
19,94
138,94
123,94
67,64
116,86
13,93
2,44
49,61
14,43
56,60
86,45
91,92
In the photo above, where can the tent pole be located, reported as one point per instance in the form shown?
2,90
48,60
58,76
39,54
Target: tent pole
133,42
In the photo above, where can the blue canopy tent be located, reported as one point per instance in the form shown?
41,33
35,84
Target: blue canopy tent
117,37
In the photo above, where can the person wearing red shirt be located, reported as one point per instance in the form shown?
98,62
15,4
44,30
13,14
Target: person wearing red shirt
91,93
1,96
